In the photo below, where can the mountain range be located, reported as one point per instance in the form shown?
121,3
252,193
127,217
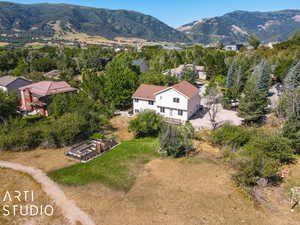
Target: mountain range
48,20
235,27
57,20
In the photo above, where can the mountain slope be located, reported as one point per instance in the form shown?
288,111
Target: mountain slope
47,20
236,27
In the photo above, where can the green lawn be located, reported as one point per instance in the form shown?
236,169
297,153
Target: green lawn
116,168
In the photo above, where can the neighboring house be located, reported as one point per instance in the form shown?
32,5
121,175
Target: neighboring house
141,64
234,47
179,102
171,48
35,97
10,83
179,71
53,74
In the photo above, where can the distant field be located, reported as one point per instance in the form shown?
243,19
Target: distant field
3,44
116,169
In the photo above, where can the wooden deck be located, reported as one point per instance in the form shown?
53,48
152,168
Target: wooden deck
174,121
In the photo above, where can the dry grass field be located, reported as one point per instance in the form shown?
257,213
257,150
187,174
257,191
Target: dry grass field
44,159
176,192
120,128
11,181
3,44
191,191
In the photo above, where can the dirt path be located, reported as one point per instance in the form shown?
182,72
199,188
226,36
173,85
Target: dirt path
69,208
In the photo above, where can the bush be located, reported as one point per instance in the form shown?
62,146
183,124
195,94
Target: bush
26,134
258,166
97,136
252,153
262,158
272,146
18,136
147,124
176,141
66,130
231,136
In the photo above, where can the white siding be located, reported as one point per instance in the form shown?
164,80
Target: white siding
173,113
165,100
2,88
142,105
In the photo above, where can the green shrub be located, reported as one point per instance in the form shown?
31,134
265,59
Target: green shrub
176,141
231,136
147,124
253,153
21,135
21,138
262,158
255,167
272,146
66,130
97,136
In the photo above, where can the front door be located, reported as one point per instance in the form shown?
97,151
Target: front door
171,112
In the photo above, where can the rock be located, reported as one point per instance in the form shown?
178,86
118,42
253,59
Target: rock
262,182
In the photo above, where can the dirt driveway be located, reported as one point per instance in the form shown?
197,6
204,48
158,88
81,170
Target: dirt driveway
224,116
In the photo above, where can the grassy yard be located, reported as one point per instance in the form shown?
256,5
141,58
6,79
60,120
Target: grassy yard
116,169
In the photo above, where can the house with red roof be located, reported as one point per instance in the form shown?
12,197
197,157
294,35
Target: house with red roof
179,102
35,97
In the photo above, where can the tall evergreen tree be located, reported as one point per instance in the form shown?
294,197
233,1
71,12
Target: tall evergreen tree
253,104
263,76
292,79
230,74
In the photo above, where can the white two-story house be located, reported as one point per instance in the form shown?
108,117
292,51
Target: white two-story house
179,102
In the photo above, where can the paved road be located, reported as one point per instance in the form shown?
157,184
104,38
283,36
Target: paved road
68,207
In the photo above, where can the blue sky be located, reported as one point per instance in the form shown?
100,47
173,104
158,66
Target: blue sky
178,12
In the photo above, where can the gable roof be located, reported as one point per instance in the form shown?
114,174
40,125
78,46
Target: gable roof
6,80
45,88
186,89
147,91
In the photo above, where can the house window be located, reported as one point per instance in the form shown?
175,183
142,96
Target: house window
176,100
136,100
136,111
162,109
180,112
151,102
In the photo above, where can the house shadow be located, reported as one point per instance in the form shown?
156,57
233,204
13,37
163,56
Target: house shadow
200,113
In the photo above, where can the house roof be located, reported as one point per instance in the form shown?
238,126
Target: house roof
6,80
45,88
180,69
186,88
146,91
53,73
141,63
